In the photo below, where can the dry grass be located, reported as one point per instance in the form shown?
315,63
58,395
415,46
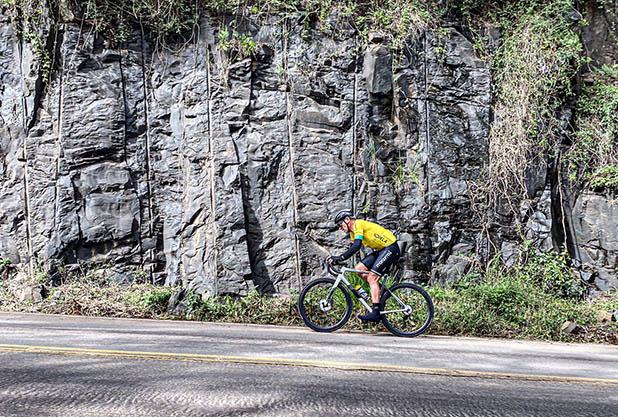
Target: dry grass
532,70
523,128
509,306
87,295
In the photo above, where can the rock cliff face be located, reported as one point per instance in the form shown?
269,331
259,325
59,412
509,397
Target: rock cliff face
222,173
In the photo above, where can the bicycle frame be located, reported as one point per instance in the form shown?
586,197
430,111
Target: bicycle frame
341,278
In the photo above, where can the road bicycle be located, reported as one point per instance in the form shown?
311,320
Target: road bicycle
325,304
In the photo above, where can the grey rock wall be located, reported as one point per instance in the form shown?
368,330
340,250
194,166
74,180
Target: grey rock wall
600,35
594,221
14,234
222,173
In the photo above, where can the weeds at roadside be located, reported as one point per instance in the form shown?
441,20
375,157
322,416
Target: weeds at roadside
531,300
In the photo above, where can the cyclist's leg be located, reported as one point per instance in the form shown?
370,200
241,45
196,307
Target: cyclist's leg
365,265
372,280
386,258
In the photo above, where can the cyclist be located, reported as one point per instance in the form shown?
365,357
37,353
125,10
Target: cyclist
385,253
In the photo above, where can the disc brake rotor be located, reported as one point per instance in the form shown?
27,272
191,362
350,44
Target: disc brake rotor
407,310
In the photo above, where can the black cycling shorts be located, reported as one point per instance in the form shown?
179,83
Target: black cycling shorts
380,261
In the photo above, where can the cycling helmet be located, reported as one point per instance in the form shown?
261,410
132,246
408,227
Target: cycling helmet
342,214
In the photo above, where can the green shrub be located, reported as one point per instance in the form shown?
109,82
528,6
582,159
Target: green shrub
164,18
156,299
5,267
605,178
593,157
236,44
546,316
531,299
505,298
252,308
549,271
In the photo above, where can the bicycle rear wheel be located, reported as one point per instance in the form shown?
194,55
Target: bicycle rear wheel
407,310
324,308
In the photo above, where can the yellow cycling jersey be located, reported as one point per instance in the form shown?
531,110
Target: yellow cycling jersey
374,236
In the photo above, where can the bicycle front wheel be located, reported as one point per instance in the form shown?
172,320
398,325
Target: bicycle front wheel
324,307
407,310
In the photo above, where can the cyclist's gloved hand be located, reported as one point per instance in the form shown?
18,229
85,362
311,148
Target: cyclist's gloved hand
335,259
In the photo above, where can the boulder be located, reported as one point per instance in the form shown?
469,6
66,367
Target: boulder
570,328
454,269
604,317
33,294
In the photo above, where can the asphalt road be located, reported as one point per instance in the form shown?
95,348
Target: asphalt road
75,366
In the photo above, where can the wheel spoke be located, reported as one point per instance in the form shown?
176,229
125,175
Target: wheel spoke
323,307
408,310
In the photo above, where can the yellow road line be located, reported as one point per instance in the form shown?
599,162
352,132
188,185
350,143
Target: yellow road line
300,362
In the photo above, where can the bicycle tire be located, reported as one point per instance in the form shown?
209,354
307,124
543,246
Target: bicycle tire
312,312
407,323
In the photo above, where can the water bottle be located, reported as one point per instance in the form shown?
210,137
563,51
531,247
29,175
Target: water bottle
361,291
